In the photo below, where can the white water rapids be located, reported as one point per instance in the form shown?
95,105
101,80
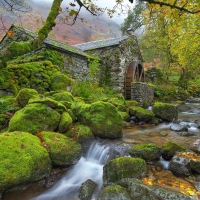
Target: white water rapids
88,167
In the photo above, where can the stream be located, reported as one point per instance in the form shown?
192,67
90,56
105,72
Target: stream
91,165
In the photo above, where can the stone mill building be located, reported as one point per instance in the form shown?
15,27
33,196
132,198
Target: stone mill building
120,60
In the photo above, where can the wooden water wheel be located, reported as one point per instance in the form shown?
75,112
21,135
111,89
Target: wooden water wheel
134,73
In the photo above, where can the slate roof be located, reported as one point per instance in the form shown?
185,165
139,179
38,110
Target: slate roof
52,43
100,43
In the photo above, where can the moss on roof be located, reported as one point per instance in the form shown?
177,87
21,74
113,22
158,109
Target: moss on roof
56,45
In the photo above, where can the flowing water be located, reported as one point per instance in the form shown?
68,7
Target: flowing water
88,167
91,165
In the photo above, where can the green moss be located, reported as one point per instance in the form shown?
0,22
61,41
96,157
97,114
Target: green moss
147,152
65,122
102,117
114,192
170,148
23,159
8,104
84,134
165,111
63,151
130,103
25,94
123,167
59,81
34,118
141,113
59,107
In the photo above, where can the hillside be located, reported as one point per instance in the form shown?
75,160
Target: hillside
89,30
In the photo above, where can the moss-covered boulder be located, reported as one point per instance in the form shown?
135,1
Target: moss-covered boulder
50,103
165,111
84,134
23,159
63,151
59,81
169,149
123,167
65,122
102,117
125,116
147,152
130,103
33,118
63,97
114,192
24,95
141,113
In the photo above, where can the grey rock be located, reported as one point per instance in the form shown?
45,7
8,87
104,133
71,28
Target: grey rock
180,165
87,190
178,127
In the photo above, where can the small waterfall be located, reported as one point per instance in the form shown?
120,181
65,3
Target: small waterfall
88,167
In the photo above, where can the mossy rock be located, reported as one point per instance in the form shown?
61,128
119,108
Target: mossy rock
63,150
59,81
125,116
147,152
65,98
141,113
65,122
84,134
25,95
23,159
103,119
59,107
130,103
165,111
169,149
121,108
114,192
123,167
34,118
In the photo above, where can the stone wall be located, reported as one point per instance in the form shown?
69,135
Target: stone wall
76,66
142,93
114,62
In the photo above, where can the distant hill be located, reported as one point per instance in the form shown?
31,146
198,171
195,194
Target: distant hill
89,30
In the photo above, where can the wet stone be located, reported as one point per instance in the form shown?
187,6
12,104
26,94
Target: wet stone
87,189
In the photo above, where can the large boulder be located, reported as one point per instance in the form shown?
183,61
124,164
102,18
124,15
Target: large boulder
147,152
123,167
62,150
180,165
23,159
114,192
165,111
25,94
102,117
34,118
141,113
